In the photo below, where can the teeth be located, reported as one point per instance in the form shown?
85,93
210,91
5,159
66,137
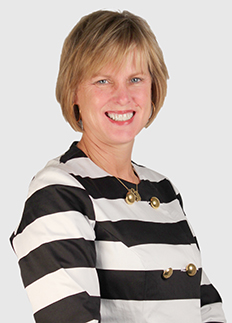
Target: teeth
120,117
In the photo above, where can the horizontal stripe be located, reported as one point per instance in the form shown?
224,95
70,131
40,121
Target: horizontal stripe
117,256
145,173
133,233
209,295
213,313
110,188
60,284
53,174
84,167
115,210
58,226
148,285
172,311
79,308
53,199
52,256
72,152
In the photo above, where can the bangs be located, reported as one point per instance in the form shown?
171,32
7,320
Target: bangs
116,56
109,43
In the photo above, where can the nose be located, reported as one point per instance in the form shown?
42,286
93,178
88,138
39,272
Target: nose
122,95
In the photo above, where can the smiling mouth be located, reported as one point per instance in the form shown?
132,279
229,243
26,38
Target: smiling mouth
120,116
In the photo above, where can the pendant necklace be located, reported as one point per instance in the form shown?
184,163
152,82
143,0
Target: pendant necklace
134,196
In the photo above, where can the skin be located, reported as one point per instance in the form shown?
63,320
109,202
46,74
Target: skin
114,92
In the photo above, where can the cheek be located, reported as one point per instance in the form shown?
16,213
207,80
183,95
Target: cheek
145,99
97,98
147,104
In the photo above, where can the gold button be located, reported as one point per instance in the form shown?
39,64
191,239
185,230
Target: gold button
191,270
167,273
155,203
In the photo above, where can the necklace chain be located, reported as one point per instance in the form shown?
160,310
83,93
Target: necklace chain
132,194
125,185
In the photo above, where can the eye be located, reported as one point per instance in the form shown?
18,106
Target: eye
136,80
102,82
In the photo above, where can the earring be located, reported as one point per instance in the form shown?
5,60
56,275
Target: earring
77,113
151,118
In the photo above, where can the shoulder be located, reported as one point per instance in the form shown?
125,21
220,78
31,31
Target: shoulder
151,175
146,173
60,171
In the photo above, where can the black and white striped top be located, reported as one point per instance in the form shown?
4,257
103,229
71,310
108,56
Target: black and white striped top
87,256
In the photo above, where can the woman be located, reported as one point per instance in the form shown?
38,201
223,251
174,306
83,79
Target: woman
103,239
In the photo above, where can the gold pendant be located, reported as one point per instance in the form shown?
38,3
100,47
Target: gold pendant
132,196
136,194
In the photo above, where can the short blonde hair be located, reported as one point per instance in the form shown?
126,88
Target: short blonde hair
98,39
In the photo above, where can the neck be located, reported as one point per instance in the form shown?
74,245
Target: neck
114,159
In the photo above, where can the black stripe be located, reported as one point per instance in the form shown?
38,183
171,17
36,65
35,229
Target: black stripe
148,285
133,233
11,240
179,198
162,189
73,152
55,198
55,255
110,188
209,295
78,308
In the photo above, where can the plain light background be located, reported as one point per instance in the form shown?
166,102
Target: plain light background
190,141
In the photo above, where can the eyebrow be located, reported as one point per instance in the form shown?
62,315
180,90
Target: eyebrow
109,76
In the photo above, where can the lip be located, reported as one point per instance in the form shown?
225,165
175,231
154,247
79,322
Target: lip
120,112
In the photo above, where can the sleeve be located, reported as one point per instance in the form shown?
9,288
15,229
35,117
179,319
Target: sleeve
55,247
211,302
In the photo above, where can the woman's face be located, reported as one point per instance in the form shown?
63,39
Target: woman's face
115,104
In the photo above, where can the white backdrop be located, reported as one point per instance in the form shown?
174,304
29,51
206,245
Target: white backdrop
190,141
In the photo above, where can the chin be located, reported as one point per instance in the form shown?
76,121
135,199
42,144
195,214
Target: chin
122,138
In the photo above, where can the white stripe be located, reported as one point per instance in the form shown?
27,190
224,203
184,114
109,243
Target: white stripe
204,279
213,313
60,284
116,210
148,174
173,311
84,167
117,256
57,226
52,174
